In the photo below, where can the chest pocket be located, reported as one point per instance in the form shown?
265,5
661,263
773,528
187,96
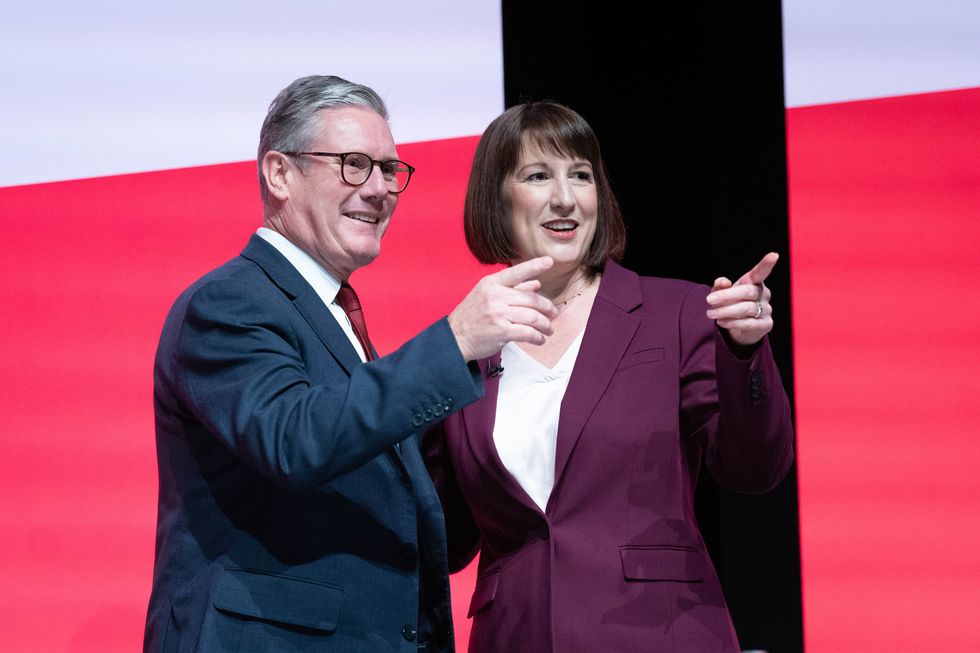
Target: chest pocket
653,355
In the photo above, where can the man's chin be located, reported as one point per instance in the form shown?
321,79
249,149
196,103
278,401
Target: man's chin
365,257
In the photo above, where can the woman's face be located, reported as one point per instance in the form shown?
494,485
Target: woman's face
553,205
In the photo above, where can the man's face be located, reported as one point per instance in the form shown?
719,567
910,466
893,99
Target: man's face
338,224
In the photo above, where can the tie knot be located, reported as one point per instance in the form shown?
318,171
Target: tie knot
347,298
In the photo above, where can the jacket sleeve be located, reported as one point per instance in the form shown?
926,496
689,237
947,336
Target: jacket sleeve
734,408
462,533
241,372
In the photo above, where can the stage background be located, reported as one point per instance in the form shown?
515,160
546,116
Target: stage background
885,222
689,111
151,113
130,136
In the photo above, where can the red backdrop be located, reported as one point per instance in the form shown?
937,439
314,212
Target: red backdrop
89,270
885,238
885,231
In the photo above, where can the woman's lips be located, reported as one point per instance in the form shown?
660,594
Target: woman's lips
562,229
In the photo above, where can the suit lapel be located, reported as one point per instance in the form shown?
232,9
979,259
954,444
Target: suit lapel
608,333
479,419
327,330
310,306
305,299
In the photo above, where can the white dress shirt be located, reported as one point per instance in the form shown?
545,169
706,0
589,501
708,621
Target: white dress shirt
525,429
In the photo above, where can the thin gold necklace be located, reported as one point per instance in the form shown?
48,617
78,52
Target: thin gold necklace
562,304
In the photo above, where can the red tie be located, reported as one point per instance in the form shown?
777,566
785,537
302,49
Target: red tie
347,299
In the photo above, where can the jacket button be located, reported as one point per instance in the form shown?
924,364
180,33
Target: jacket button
410,551
417,420
409,632
427,414
437,410
449,402
543,531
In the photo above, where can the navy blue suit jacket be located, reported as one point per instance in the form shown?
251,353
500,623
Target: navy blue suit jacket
287,519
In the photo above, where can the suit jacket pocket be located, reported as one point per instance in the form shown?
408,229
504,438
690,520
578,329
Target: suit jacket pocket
662,563
639,357
282,599
484,592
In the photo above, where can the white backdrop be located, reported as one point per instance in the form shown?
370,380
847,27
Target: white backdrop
105,87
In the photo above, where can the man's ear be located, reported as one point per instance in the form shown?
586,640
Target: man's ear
278,173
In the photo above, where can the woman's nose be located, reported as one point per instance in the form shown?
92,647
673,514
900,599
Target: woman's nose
562,197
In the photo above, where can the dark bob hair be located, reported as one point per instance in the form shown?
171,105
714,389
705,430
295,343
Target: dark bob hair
555,129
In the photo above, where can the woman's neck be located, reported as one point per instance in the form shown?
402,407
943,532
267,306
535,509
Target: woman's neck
573,295
561,287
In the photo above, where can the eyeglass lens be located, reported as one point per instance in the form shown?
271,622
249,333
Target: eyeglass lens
357,167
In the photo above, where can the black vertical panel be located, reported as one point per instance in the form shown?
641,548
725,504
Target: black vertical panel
688,107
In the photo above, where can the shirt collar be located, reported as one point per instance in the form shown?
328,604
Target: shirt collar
325,285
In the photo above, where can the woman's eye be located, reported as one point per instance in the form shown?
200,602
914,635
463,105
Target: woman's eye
582,176
537,176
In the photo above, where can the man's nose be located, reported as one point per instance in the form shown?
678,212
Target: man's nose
375,186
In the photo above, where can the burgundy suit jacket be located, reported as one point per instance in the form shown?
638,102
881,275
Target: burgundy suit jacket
616,562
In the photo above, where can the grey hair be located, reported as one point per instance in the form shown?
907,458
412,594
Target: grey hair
288,124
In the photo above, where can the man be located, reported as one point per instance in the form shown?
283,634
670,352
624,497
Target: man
295,512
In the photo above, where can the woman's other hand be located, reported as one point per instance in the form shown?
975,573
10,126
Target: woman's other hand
743,308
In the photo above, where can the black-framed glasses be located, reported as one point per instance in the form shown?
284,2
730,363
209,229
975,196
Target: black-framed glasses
356,168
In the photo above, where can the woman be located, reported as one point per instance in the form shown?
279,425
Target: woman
574,476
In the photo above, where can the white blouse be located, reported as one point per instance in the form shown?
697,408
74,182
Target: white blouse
525,429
